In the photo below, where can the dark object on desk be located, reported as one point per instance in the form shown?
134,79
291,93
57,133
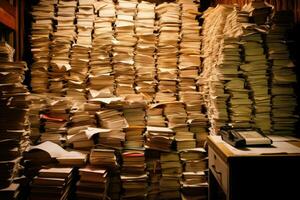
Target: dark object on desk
244,137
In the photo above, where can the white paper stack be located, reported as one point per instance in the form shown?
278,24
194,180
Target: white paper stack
283,76
63,38
101,79
189,58
167,48
210,84
124,46
80,54
144,59
43,14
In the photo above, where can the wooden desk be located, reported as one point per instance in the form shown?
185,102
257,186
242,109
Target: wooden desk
254,173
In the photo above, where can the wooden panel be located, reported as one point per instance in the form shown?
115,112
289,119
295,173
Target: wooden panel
7,14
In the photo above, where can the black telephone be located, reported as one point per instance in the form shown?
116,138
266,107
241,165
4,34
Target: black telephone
238,137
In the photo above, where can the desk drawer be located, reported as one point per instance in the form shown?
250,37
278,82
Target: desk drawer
219,168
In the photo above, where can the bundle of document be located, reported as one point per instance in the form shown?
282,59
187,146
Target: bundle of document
144,59
284,99
42,30
63,37
167,47
159,138
103,158
101,80
123,47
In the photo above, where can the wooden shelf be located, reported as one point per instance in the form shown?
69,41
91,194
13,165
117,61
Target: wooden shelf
8,15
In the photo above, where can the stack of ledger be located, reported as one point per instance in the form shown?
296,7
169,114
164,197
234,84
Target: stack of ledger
144,59
167,50
124,46
92,185
101,79
42,30
53,183
63,38
133,174
14,137
283,76
194,180
171,172
80,54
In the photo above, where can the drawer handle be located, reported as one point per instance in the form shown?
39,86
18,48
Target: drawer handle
219,173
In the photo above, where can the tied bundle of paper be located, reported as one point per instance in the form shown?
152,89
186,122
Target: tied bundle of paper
63,37
171,174
133,175
93,184
54,120
210,84
103,158
80,54
38,104
196,118
167,49
159,138
114,121
53,183
189,53
239,105
283,77
124,46
194,179
41,33
101,78
144,59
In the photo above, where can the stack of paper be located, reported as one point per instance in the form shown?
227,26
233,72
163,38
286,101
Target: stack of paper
63,38
259,11
167,47
155,116
101,79
55,119
43,15
283,76
159,138
54,183
14,137
210,84
6,52
194,180
171,173
112,119
154,173
133,174
103,157
37,104
80,54
114,185
196,119
144,60
189,58
92,184
123,47
176,115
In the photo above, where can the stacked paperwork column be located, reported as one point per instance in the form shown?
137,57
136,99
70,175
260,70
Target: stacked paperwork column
80,54
101,78
41,33
64,37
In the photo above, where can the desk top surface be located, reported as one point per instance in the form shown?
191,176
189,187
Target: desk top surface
282,146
